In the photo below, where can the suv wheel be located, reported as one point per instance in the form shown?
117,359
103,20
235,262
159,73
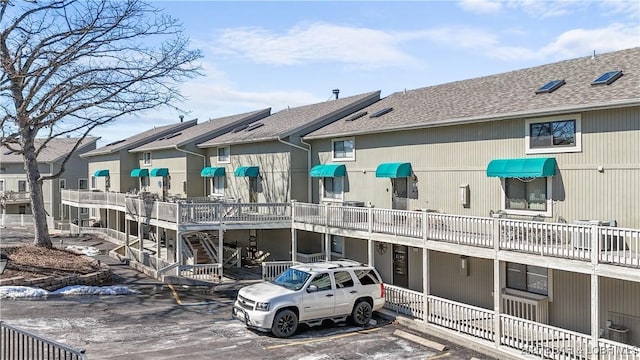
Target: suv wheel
361,313
285,323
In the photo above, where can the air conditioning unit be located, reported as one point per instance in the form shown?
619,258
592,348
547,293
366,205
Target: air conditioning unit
583,240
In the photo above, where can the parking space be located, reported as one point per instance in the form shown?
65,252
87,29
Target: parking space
177,322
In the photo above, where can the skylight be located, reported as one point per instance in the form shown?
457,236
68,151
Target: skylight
550,86
381,112
173,135
357,116
607,78
115,142
255,126
240,128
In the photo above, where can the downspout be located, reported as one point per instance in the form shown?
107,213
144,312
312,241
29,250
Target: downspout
204,165
308,150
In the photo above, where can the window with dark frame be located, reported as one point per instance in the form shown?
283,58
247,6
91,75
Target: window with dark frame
526,194
224,154
332,187
552,134
146,158
343,149
528,278
22,185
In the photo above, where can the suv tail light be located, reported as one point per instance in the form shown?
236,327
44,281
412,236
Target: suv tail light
382,290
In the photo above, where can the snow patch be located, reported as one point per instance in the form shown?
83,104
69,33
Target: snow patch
16,292
86,250
21,292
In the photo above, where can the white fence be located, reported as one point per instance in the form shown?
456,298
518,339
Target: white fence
461,317
271,269
526,308
202,272
16,220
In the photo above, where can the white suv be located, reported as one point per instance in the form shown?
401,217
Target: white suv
310,294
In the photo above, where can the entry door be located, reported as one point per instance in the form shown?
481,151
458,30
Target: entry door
253,189
399,194
401,266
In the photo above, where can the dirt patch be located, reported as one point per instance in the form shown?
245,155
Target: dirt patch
30,262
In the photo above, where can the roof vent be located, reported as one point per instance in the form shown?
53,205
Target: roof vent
381,112
607,78
173,135
551,86
336,92
356,116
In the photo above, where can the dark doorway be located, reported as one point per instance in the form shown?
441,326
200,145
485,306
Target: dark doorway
399,194
401,266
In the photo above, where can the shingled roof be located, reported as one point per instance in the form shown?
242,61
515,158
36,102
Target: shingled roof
55,150
502,96
205,131
298,120
140,138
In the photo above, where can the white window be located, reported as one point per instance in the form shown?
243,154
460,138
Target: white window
63,183
22,185
83,184
146,158
217,185
1,185
527,196
94,184
343,149
224,154
556,134
528,278
332,188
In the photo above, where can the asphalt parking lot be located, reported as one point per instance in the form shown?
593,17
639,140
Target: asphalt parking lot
164,322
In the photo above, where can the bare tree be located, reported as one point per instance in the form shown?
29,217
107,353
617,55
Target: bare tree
69,66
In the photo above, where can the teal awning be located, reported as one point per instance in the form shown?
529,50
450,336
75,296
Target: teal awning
139,172
248,171
99,173
212,171
160,172
328,170
522,168
393,170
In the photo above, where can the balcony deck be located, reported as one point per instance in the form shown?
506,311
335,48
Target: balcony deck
484,236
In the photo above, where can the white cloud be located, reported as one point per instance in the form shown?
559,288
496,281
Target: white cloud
316,42
481,6
582,42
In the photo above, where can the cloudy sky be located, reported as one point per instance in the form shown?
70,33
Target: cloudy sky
291,53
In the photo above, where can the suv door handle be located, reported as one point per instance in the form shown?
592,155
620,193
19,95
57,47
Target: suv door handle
329,295
353,292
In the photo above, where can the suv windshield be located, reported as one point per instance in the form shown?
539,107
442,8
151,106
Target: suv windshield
292,279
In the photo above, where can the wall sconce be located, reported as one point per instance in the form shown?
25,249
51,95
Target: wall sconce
464,265
414,177
463,196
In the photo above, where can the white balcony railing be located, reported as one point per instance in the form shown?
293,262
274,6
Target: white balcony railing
404,301
202,272
461,317
543,340
611,350
310,258
271,269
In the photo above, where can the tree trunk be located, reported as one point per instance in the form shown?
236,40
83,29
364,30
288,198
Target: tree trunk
41,228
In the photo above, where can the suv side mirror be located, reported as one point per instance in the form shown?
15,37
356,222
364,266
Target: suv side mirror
312,288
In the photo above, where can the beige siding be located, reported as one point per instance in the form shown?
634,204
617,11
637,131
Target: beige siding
277,242
356,249
571,305
445,157
448,282
620,303
273,159
309,242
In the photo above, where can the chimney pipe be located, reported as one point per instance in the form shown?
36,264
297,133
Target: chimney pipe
336,92
181,118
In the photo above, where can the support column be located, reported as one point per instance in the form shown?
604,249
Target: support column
294,244
497,289
327,246
126,237
221,249
595,287
595,309
370,253
178,254
426,284
158,242
140,203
